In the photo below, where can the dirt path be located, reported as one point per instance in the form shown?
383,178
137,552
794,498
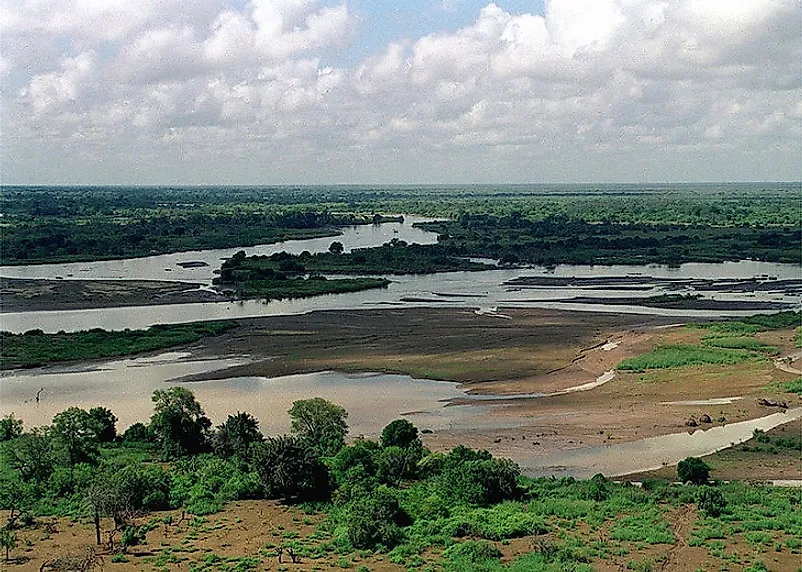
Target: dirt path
676,559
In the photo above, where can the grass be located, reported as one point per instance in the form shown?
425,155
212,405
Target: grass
34,348
794,386
308,287
740,343
672,356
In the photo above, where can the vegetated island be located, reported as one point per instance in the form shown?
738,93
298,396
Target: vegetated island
35,348
561,239
158,490
104,235
284,275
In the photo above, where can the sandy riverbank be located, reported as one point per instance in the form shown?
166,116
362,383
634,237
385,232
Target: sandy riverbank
22,295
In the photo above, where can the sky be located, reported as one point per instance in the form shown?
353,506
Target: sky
250,92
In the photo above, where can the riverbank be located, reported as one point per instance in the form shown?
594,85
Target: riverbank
532,352
23,295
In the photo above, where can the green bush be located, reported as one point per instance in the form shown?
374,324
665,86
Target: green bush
711,501
481,482
375,520
472,551
693,470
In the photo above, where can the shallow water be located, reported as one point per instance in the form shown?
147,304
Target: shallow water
653,452
165,267
482,291
125,387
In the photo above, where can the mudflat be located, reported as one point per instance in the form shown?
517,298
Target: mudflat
24,295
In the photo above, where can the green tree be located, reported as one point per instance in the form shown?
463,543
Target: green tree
33,455
320,422
106,421
179,423
693,470
290,470
375,519
8,540
336,247
77,432
476,477
236,435
10,427
400,433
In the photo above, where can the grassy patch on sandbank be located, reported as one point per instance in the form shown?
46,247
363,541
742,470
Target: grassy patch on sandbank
34,348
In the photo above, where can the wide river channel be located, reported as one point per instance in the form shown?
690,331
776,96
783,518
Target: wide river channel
372,399
484,291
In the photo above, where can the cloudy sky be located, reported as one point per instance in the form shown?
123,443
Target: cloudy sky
420,91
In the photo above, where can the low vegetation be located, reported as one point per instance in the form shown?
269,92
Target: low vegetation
34,347
726,343
389,501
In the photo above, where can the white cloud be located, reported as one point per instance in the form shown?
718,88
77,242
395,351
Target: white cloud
590,84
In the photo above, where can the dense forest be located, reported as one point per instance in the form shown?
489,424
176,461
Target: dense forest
622,223
560,239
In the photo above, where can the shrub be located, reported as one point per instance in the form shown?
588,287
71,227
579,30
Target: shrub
10,427
598,488
481,482
375,520
693,470
711,501
472,551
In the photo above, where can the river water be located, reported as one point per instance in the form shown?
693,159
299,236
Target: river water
372,400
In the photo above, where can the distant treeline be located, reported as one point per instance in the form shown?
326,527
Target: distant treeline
561,239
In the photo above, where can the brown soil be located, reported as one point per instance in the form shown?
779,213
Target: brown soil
22,295
537,351
251,531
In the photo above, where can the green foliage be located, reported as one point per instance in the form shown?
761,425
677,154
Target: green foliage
290,470
35,348
472,553
179,423
399,433
375,519
139,433
77,431
10,427
663,357
794,386
132,536
741,343
142,486
236,435
476,478
693,470
711,501
321,423
8,540
106,422
398,463
648,525
33,455
598,488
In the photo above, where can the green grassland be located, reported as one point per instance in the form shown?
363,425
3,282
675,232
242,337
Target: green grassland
35,347
728,343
